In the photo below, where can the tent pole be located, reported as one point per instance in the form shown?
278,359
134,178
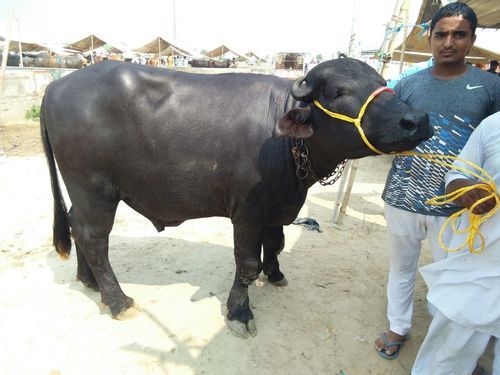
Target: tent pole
389,46
404,9
92,48
6,45
20,44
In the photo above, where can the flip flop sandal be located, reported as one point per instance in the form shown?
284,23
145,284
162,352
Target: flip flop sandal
387,344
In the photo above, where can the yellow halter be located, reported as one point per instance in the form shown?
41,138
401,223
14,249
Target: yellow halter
357,121
487,183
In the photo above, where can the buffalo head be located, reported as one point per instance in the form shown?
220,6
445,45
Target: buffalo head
337,92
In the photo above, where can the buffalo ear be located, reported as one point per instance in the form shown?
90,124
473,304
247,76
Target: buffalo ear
295,123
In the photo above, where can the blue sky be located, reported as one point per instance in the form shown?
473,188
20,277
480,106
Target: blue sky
263,26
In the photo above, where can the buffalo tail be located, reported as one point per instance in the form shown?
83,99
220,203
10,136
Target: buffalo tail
61,228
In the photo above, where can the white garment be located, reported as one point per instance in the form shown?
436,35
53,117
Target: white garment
406,232
466,287
452,349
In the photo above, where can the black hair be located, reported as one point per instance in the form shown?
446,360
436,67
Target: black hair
456,10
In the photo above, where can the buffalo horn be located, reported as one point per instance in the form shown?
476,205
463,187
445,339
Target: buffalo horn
300,89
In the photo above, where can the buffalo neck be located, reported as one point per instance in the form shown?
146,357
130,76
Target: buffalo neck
325,152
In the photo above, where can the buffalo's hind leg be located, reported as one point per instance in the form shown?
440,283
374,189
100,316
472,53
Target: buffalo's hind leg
247,246
91,224
273,242
84,273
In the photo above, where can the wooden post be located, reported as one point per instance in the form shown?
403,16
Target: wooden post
352,176
337,219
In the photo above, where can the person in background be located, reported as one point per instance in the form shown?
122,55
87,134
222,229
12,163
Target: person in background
493,67
465,287
457,97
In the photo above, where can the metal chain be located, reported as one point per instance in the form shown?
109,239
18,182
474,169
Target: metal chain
304,168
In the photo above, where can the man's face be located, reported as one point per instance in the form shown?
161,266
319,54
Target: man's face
451,40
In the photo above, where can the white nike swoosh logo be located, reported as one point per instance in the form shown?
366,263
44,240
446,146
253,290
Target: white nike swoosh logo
469,87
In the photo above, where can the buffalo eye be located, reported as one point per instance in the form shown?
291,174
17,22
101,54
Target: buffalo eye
333,94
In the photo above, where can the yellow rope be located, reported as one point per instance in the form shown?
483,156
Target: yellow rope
487,184
475,220
357,121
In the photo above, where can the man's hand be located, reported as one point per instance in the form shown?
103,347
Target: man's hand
472,196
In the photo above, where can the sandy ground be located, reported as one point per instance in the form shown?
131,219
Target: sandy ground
323,322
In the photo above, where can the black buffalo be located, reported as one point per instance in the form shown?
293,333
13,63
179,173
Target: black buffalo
204,63
44,60
176,146
14,59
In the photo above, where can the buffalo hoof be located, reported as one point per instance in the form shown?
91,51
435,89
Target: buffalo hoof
282,282
129,313
277,278
242,330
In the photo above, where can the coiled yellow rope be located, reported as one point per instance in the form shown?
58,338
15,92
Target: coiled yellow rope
475,220
487,184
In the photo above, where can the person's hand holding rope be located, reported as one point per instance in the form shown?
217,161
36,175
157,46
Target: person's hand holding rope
470,197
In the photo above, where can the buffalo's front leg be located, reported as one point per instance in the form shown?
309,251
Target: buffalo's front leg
273,242
247,246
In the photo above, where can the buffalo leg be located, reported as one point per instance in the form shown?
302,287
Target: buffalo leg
247,245
91,225
84,273
273,242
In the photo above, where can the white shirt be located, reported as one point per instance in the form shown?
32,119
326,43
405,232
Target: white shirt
465,287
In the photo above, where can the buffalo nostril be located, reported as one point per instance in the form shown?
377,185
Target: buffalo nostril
408,122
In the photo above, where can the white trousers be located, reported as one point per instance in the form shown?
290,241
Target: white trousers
406,232
452,349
